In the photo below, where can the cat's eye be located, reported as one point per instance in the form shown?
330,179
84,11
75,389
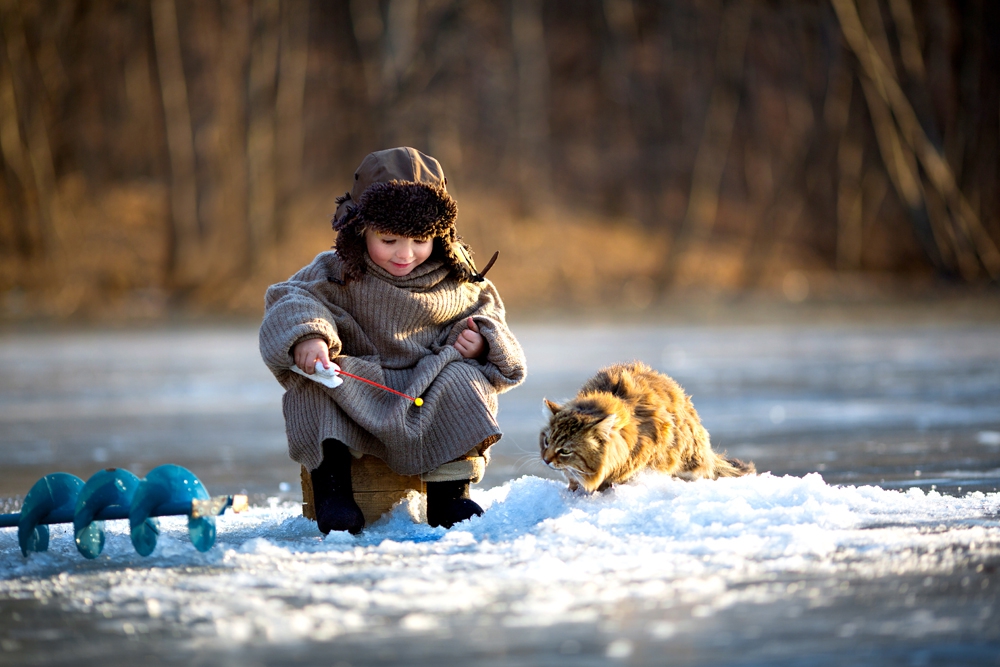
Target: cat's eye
562,452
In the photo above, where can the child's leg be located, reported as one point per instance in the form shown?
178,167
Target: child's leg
448,500
333,493
470,467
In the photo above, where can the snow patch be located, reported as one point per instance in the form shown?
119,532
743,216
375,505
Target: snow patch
540,555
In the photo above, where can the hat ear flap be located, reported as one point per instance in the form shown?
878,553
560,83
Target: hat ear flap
351,248
346,211
451,254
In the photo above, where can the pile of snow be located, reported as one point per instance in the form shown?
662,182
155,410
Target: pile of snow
540,555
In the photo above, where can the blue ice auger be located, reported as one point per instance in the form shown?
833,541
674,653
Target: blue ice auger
168,490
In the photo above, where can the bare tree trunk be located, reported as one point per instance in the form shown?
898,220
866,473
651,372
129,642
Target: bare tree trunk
710,161
260,132
41,182
290,104
225,193
445,136
400,42
850,239
366,22
186,260
955,251
909,43
703,202
850,157
874,188
780,210
533,153
886,88
141,98
899,161
759,174
618,141
401,70
24,231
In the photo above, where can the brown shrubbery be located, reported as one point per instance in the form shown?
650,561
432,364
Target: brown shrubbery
169,155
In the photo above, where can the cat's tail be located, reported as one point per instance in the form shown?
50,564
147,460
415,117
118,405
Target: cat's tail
727,467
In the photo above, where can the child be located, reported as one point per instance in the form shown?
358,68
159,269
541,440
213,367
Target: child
400,303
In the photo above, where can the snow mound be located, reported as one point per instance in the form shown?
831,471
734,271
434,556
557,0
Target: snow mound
539,555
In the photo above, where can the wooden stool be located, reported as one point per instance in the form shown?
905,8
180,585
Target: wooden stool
376,488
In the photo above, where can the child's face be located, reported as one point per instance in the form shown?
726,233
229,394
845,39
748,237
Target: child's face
397,254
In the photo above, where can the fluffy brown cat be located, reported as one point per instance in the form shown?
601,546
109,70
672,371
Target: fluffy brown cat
626,419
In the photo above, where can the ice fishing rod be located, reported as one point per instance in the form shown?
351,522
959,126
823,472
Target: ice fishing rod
115,493
417,401
331,378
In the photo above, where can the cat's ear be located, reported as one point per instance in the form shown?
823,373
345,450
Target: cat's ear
606,425
554,408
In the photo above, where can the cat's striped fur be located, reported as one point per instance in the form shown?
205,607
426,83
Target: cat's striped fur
626,419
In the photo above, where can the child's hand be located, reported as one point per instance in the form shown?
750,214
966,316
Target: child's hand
308,352
470,343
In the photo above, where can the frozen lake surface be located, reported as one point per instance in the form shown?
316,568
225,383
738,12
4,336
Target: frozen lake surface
873,539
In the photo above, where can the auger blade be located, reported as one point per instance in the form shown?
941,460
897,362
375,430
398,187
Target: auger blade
107,491
174,486
51,500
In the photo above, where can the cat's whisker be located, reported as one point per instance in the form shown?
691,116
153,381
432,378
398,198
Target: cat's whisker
530,450
524,461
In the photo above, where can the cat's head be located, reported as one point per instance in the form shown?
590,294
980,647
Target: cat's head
577,438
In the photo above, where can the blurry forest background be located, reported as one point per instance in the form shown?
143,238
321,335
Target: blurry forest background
163,156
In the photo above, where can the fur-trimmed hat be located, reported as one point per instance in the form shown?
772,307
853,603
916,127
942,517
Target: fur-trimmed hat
404,192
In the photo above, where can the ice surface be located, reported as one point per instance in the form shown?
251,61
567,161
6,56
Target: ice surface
746,571
539,556
989,438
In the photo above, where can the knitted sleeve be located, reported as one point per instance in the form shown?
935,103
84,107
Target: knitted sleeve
505,366
296,310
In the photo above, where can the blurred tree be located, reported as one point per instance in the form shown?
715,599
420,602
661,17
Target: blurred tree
184,145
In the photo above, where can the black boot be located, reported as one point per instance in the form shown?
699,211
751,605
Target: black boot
333,495
448,503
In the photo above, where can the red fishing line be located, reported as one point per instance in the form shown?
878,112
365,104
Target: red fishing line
416,401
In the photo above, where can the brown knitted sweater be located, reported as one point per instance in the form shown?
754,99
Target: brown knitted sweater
399,332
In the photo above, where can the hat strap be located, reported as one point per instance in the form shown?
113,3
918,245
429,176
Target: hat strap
481,276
